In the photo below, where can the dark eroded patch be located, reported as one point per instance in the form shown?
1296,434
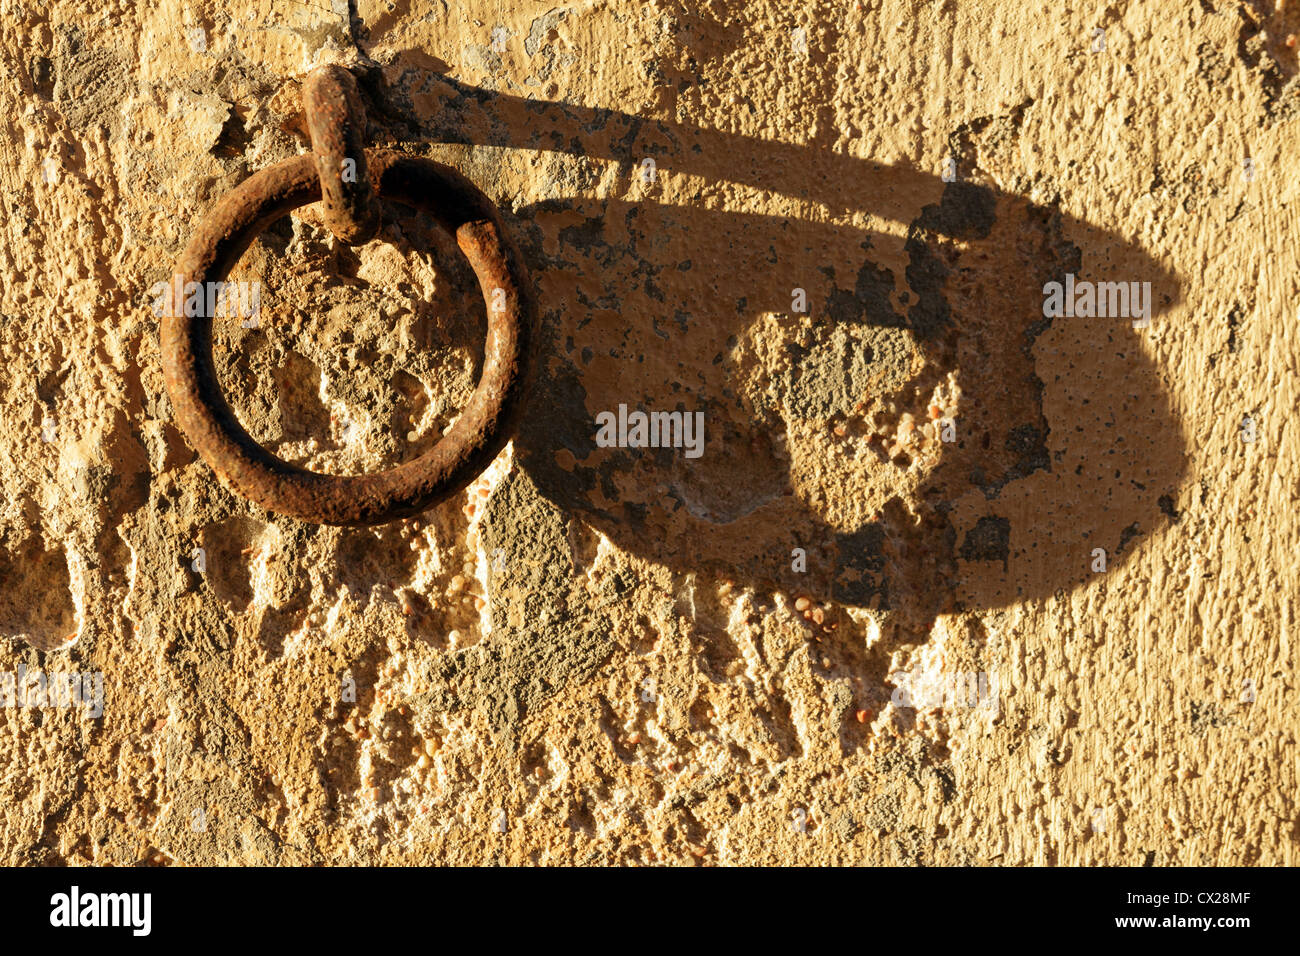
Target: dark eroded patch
989,540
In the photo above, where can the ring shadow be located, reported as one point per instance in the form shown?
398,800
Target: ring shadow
1063,439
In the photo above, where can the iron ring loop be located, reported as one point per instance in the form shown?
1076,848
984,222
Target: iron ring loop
485,423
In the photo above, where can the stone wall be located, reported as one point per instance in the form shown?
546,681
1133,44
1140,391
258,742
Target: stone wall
950,580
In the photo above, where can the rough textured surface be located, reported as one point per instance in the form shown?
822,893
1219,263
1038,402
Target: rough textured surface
622,655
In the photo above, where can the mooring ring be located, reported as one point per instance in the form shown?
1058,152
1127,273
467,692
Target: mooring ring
484,424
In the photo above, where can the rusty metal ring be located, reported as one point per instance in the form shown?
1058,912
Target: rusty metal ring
484,424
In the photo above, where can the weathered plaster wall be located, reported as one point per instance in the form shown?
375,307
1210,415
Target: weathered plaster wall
607,655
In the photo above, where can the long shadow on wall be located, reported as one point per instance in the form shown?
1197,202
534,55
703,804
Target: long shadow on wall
1062,437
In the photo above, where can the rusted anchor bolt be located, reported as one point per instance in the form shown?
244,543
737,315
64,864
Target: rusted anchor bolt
337,122
230,228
